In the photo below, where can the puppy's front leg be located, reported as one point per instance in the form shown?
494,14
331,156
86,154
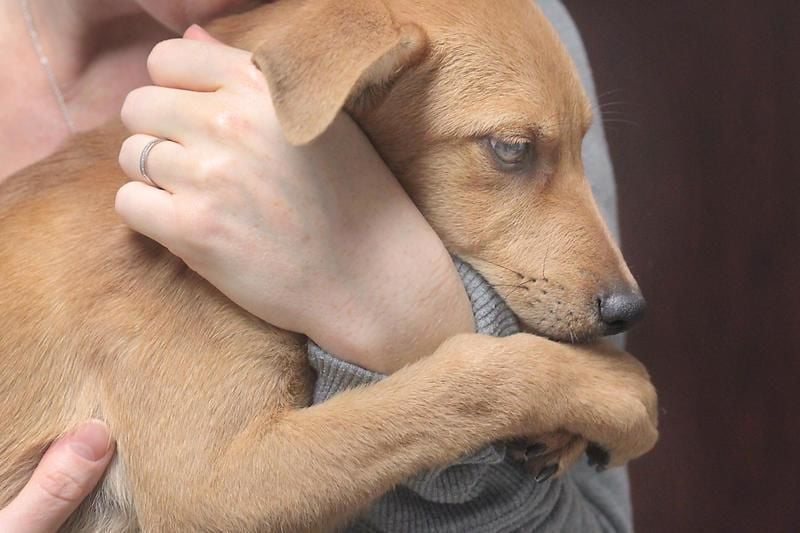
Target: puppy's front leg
315,467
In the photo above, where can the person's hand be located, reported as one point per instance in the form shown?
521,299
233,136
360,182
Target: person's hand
67,473
319,239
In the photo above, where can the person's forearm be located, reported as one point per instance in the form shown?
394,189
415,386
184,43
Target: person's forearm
408,313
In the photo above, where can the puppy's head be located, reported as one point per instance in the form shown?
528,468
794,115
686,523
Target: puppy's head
478,110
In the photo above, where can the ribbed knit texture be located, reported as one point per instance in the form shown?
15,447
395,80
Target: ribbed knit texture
485,491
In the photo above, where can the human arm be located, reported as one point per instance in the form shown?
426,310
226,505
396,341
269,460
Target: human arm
282,230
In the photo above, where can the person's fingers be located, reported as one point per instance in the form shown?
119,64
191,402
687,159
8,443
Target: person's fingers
67,473
164,165
163,112
194,64
147,210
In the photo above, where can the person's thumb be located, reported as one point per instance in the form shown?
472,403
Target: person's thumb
67,473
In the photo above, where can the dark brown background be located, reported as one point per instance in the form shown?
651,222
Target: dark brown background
703,119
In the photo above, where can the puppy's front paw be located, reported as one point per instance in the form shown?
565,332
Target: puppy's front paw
549,456
614,405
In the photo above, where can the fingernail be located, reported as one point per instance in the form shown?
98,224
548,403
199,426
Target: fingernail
189,30
546,473
535,449
90,440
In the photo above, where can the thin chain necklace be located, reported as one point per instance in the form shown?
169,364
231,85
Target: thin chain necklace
51,77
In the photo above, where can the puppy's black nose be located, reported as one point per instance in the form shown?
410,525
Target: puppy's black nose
620,310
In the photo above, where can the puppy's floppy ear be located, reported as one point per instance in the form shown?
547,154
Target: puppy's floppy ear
331,54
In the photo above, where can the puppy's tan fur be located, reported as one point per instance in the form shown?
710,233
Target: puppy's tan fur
209,404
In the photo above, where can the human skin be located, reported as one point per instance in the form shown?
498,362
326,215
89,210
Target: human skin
316,193
419,298
69,470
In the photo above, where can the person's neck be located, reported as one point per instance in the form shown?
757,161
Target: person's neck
96,50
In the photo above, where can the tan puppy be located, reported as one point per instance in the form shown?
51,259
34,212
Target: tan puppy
476,108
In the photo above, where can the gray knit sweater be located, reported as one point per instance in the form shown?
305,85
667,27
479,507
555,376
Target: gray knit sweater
487,492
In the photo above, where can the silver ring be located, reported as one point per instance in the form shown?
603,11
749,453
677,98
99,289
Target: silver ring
143,161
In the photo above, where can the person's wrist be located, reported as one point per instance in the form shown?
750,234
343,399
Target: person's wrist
418,303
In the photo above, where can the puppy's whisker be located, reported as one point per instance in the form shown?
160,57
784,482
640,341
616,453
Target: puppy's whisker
609,93
523,276
544,263
508,292
514,287
604,114
615,104
620,121
553,120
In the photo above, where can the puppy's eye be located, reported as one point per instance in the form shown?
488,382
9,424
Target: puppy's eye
510,153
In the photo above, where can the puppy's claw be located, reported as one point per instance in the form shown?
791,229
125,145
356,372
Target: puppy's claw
546,473
598,456
535,449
